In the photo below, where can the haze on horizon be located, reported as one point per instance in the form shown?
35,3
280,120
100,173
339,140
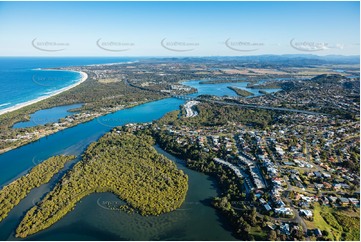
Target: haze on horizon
178,28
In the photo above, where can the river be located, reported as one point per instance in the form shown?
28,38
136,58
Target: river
195,220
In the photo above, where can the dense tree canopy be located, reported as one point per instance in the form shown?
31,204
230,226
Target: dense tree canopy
13,193
122,163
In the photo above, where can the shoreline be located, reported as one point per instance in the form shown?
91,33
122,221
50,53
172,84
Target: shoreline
2,151
84,77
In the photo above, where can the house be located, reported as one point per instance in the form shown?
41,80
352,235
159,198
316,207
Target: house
354,201
337,186
294,171
309,174
272,171
306,213
326,175
279,150
325,201
267,207
343,201
345,186
304,204
317,232
277,183
295,177
299,184
319,186
327,185
288,163
306,198
317,174
332,199
271,225
284,211
285,229
279,203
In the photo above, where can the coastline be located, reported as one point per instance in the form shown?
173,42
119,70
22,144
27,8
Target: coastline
84,77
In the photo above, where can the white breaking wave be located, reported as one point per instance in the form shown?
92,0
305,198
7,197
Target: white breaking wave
4,104
50,92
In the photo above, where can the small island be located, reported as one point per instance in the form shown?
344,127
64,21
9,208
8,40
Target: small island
241,92
121,163
266,85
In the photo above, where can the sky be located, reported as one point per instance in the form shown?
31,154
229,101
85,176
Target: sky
178,28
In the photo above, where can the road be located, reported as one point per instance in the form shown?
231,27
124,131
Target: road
297,217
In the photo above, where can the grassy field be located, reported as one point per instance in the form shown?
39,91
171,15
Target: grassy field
350,225
338,223
319,222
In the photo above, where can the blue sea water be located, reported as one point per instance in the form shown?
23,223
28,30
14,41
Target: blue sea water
21,79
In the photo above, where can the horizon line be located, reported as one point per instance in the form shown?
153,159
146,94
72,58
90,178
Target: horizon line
190,56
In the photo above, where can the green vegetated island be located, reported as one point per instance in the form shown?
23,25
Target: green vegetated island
119,162
241,92
13,193
266,85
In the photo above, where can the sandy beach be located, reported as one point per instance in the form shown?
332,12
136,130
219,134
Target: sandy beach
84,77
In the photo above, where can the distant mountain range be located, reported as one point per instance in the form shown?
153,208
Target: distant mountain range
289,59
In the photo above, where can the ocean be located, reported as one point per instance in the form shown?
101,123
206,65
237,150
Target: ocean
22,80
